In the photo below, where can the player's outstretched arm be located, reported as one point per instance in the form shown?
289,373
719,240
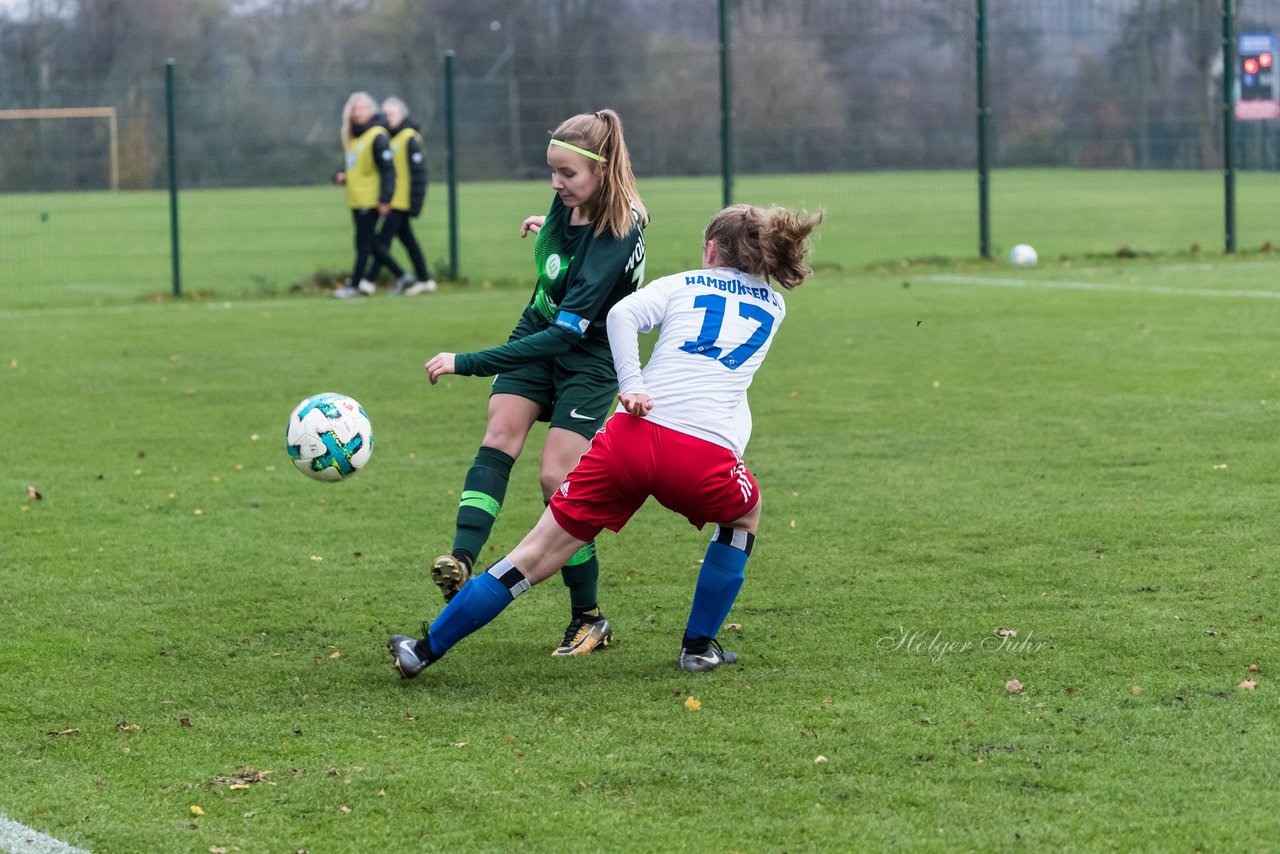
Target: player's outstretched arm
439,365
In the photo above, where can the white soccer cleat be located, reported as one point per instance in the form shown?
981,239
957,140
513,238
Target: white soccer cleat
427,287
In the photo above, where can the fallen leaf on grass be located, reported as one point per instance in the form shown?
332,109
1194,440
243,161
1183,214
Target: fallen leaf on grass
692,704
344,809
1013,686
335,655
33,494
737,626
245,774
1253,668
1135,689
1002,632
123,726
186,722
195,810
69,731
1248,685
818,760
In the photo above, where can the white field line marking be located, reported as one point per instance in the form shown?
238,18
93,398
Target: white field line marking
219,305
1051,284
133,308
19,839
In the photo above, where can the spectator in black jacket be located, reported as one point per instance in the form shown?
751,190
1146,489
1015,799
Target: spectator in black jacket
411,191
369,175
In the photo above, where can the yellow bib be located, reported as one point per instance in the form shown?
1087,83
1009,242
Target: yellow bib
363,181
400,154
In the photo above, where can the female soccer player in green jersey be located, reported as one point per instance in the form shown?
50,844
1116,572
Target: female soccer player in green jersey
556,365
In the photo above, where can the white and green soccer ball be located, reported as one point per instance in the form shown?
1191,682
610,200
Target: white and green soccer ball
329,436
1023,255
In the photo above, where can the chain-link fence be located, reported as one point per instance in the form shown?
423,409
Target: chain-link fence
1106,133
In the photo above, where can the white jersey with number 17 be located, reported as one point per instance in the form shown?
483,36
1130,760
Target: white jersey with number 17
717,326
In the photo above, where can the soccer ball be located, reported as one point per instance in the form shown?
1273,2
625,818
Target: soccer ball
1023,255
329,436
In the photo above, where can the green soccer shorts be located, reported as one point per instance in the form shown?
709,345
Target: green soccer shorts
576,391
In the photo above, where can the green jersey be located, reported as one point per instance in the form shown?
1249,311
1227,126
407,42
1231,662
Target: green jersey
581,275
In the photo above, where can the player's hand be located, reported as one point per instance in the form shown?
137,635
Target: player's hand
439,365
638,405
532,225
339,178
384,208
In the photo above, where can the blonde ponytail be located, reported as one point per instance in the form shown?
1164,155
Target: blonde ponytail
601,134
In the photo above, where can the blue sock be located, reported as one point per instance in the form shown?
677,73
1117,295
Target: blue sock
476,604
719,581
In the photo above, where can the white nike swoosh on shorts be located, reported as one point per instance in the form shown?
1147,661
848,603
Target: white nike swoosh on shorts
573,413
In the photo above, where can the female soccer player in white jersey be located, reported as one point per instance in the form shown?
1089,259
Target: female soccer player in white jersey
678,435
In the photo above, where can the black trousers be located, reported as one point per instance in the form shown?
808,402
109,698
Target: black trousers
399,225
369,247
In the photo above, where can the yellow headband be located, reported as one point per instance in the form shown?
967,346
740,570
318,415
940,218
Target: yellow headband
582,151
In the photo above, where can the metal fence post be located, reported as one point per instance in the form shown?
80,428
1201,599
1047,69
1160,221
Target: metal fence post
173,177
450,159
1229,124
984,116
726,108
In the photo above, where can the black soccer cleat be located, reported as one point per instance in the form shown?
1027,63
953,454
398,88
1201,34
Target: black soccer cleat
583,635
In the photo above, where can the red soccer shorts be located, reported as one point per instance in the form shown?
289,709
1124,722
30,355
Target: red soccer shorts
633,458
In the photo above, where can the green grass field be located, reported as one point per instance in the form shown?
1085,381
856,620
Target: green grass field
108,249
1083,454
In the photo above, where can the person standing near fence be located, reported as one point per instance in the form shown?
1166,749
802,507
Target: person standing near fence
678,435
369,175
410,161
556,364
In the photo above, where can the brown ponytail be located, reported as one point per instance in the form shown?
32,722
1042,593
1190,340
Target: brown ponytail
772,243
601,133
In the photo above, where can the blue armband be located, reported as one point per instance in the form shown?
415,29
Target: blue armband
572,322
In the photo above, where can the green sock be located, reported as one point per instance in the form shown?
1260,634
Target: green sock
582,576
482,493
